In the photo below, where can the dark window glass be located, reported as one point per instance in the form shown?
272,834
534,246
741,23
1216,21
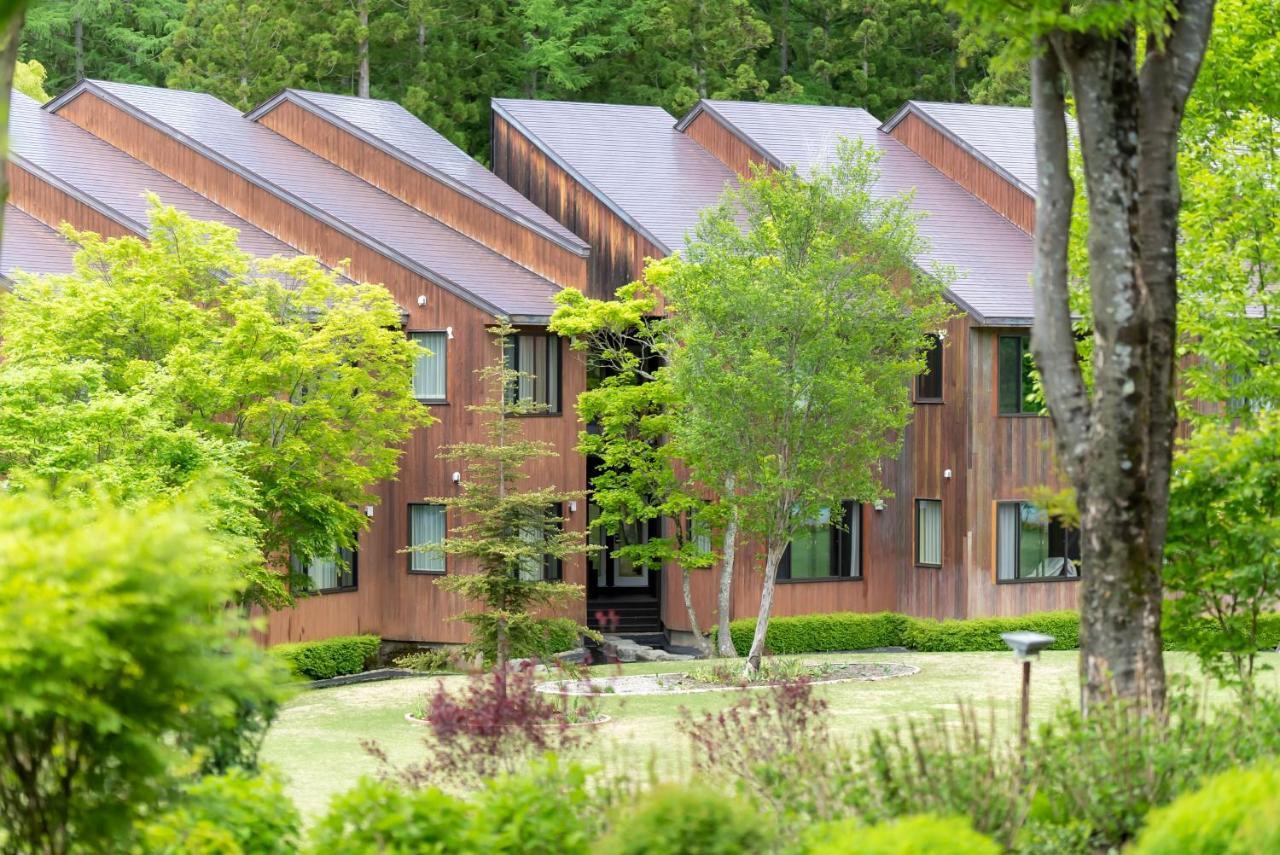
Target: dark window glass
929,384
537,357
1015,375
1030,545
828,548
332,573
548,568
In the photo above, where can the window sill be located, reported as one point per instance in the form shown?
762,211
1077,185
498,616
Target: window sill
922,566
1037,579
328,591
928,401
432,402
820,579
1022,415
556,414
428,572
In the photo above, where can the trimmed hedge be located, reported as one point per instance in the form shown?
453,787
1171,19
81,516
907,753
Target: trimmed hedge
330,657
829,633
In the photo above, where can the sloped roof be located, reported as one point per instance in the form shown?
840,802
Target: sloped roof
392,129
1004,138
31,247
632,157
990,257
312,184
110,181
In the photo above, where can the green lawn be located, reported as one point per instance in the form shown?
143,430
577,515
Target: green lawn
316,741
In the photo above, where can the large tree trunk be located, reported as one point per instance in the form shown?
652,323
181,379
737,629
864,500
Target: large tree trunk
724,599
12,30
1116,443
363,86
686,589
78,39
772,558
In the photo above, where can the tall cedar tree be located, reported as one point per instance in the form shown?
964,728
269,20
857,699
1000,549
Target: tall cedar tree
121,40
510,534
639,478
800,318
1130,67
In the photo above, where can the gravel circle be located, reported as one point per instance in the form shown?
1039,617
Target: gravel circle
681,684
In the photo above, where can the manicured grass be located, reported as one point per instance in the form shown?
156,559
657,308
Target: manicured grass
316,743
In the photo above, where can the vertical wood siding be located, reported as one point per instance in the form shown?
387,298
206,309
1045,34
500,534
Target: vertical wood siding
729,148
53,207
966,170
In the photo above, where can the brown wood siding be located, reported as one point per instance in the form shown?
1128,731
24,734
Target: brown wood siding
966,170
53,207
618,252
722,142
388,601
419,190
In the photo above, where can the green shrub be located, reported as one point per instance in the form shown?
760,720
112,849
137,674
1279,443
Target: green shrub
381,818
330,657
976,634
431,660
545,812
824,632
1235,813
232,814
689,821
913,835
559,635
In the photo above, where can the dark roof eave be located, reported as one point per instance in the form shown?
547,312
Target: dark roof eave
360,237
496,106
578,247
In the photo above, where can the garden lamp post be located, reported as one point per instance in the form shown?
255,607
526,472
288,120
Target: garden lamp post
1026,646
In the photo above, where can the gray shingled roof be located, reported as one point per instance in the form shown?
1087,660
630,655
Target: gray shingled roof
387,225
393,129
990,256
109,180
31,247
632,157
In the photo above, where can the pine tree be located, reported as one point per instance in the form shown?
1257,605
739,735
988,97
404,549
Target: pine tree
121,40
511,534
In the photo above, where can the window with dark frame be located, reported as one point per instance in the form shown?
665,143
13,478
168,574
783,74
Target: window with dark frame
429,366
929,532
1032,545
929,384
332,574
549,568
831,548
426,528
537,357
1014,380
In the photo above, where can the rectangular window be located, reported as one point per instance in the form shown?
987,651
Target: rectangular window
426,529
830,548
929,384
429,366
929,532
1015,375
537,357
332,573
546,568
1030,545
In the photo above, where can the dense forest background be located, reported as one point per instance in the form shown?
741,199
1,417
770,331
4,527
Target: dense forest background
444,59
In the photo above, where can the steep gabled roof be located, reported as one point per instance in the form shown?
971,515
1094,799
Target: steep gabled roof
1002,138
395,131
31,247
108,180
415,241
991,257
632,158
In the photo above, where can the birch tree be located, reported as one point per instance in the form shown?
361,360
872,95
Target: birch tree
799,319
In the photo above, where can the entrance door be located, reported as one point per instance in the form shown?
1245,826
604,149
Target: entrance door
626,573
611,571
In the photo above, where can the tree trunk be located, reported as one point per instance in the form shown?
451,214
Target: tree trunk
79,47
699,640
724,600
363,86
782,39
8,59
1116,444
772,558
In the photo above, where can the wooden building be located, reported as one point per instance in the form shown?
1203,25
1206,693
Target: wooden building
580,196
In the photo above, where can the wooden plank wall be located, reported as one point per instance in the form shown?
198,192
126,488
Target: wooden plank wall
966,170
53,207
389,601
423,192
618,252
724,143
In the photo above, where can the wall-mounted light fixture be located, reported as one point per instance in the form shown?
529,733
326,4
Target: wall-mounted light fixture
448,331
457,477
878,504
573,507
946,473
422,299
368,511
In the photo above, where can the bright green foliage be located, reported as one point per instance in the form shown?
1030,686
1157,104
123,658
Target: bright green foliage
159,360
1223,552
231,814
913,835
690,820
541,813
976,634
28,78
508,532
1235,813
118,39
561,634
118,661
329,657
